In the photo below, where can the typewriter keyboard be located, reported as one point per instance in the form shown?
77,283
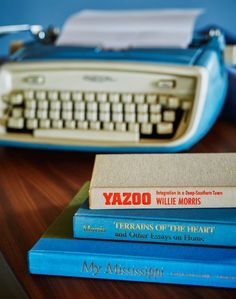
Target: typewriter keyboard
94,116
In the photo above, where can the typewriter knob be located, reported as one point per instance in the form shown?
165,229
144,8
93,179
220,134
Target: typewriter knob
49,35
15,45
214,32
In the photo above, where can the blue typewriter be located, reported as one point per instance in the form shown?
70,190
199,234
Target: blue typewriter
92,99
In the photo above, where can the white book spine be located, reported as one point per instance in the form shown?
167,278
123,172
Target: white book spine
162,197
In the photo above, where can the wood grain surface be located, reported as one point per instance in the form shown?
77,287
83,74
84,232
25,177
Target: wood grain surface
36,185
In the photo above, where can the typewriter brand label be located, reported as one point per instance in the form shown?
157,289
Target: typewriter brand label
98,78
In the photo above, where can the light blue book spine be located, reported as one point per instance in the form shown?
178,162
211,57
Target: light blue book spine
128,229
52,257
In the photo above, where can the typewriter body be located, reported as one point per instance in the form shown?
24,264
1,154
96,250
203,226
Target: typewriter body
90,99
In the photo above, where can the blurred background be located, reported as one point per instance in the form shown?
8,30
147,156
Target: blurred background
55,12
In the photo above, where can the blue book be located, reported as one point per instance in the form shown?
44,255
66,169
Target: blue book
57,253
215,227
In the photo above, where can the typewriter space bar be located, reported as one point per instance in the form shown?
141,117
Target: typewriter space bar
93,135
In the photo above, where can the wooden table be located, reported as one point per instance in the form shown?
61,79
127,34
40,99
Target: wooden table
36,185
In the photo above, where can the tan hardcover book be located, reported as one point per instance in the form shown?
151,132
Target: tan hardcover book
163,181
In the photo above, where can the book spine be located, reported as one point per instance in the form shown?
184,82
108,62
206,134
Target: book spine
162,197
146,269
126,229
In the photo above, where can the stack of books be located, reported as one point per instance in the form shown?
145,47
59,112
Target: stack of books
151,218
